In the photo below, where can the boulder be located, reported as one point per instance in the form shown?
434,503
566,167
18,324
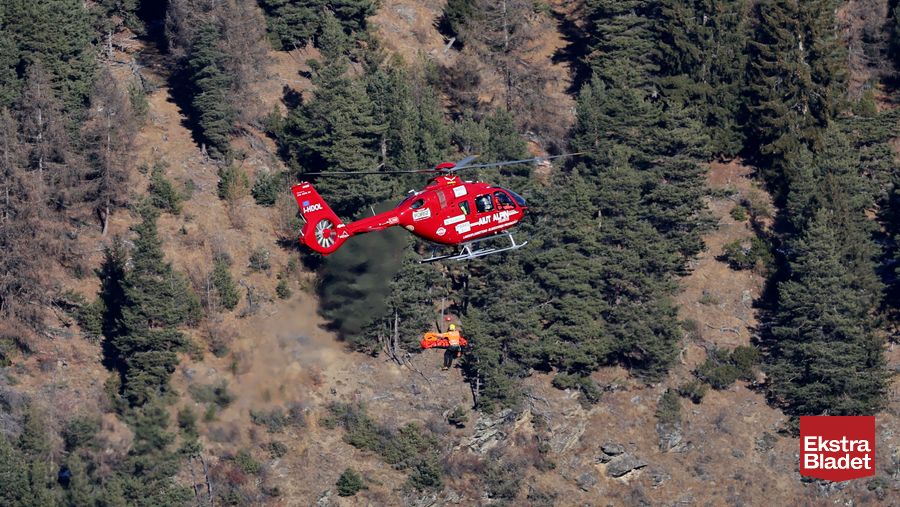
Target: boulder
586,481
669,436
622,464
612,449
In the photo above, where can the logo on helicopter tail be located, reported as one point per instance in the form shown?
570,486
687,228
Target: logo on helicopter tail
310,209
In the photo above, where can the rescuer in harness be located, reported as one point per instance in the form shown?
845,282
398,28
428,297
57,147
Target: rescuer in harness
453,346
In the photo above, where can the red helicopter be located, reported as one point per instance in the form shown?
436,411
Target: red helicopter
449,211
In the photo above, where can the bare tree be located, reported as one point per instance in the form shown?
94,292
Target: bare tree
23,219
110,131
42,127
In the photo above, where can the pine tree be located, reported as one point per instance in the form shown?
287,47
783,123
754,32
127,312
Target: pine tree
294,23
621,42
210,89
795,78
702,56
336,131
156,300
56,34
9,58
826,356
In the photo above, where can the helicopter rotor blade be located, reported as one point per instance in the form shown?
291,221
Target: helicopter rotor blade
463,163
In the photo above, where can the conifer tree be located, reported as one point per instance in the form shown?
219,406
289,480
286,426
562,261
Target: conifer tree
9,58
156,300
336,131
795,78
826,356
210,89
57,34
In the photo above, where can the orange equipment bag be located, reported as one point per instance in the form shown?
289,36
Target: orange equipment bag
434,340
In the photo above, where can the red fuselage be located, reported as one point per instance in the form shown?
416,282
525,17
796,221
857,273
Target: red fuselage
450,211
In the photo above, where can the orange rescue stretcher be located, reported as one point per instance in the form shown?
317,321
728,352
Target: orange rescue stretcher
435,340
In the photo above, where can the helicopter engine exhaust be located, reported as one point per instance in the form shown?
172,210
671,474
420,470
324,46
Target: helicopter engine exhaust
323,232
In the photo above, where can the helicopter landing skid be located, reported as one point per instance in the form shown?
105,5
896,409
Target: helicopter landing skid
468,253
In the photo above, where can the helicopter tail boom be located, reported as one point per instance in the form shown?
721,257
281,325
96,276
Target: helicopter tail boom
323,232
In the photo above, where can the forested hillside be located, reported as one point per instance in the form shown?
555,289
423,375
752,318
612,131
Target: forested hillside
720,256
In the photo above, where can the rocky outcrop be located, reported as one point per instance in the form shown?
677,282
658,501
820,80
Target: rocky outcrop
622,464
670,437
489,431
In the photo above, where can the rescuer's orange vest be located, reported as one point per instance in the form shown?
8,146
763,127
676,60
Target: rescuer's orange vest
452,338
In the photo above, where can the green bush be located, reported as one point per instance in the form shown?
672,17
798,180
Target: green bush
756,255
224,284
283,290
722,368
80,432
458,417
693,390
739,213
259,260
246,463
266,188
349,483
427,475
233,183
163,195
216,394
585,385
274,420
668,409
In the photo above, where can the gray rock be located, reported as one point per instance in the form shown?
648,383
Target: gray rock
622,464
669,436
737,453
586,481
612,449
659,477
766,442
489,431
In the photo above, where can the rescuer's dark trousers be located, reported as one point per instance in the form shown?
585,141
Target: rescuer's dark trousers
449,354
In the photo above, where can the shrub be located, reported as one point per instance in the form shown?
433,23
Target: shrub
163,195
259,260
721,368
276,449
246,463
693,390
266,188
233,183
274,420
80,432
427,475
138,99
224,284
187,421
458,417
668,409
739,213
349,483
740,255
282,289
216,394
708,299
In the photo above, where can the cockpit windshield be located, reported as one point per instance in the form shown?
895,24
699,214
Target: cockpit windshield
518,198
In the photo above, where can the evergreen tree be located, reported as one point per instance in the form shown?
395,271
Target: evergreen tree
57,34
295,23
9,58
701,57
224,285
336,131
826,356
621,42
795,78
205,66
13,481
156,300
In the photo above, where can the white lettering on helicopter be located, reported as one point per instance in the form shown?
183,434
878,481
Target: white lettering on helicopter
312,207
421,214
463,227
393,221
459,191
453,220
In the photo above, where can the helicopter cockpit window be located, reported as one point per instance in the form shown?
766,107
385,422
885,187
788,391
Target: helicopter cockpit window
418,204
484,203
464,206
503,201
